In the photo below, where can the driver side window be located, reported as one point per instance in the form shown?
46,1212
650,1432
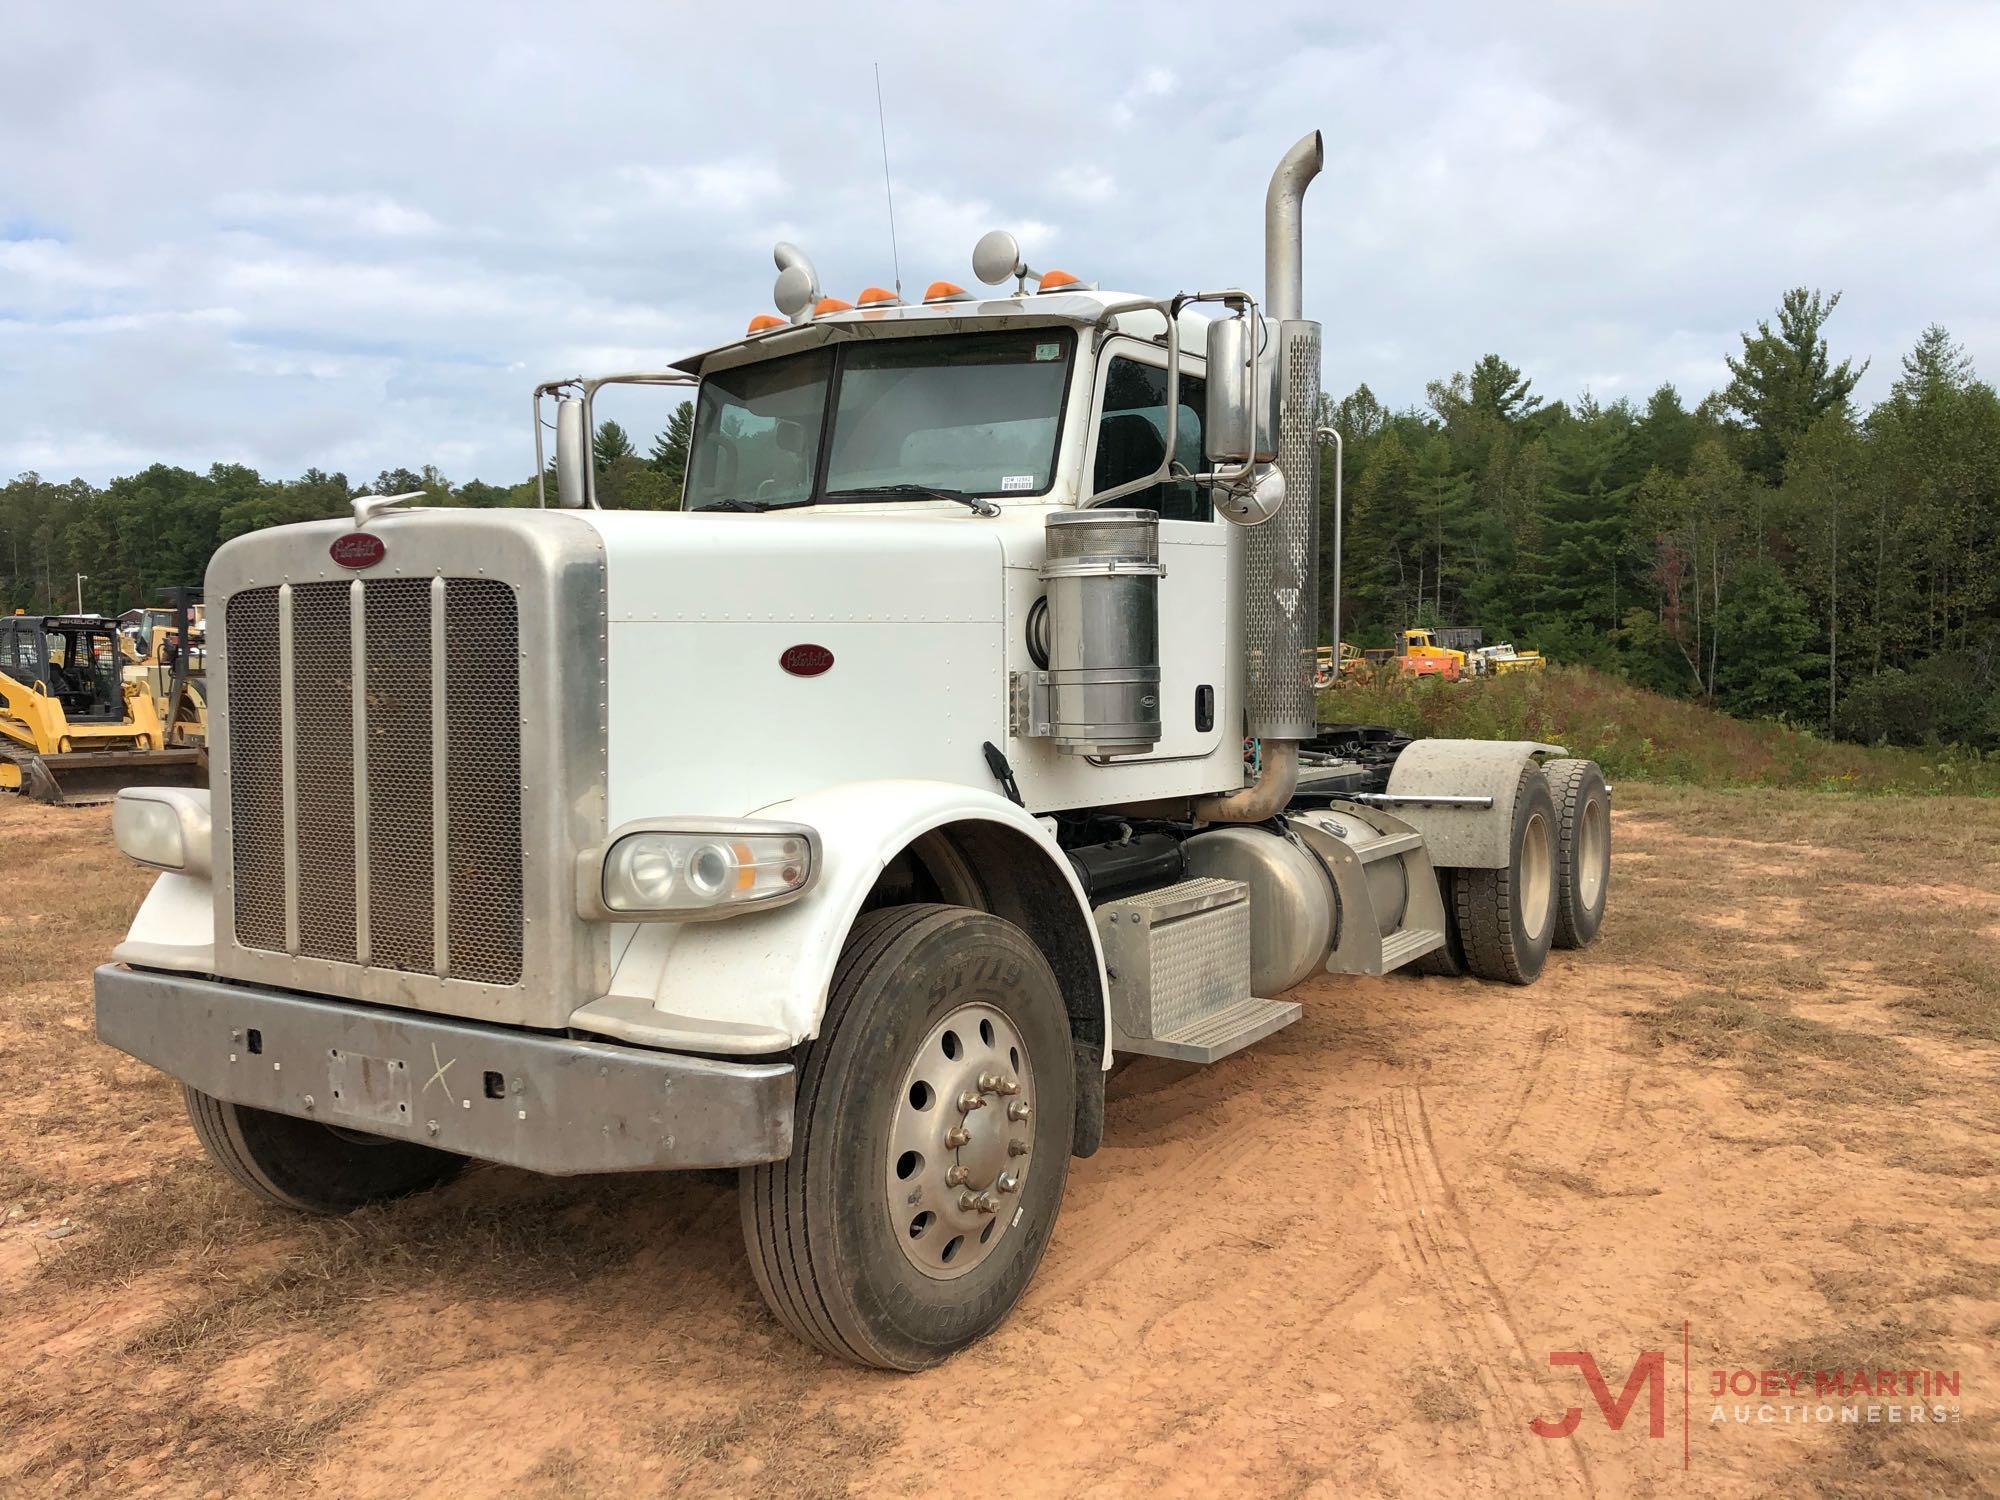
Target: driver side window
1132,436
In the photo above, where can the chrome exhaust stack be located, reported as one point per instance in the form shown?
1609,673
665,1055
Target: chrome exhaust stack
1281,557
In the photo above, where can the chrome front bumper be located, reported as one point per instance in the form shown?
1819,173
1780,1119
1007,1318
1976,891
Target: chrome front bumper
548,1103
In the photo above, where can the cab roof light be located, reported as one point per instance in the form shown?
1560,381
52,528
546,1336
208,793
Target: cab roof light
1060,281
827,305
877,296
945,291
765,321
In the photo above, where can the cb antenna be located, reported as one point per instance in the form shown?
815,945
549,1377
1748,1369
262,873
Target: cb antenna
888,192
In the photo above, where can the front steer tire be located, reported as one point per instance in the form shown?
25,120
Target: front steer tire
1507,917
310,1167
839,1232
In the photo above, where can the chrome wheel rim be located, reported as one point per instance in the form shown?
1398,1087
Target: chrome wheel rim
1593,855
1537,883
961,1142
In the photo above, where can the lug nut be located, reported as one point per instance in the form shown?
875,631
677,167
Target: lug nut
1018,1110
956,1177
1010,1085
957,1136
1017,1148
969,1102
981,1203
1008,1182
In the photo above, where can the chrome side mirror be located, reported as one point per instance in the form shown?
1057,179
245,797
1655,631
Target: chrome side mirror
1240,423
572,455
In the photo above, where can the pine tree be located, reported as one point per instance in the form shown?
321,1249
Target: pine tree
1785,381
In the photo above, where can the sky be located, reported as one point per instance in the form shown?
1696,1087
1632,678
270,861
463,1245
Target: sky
353,237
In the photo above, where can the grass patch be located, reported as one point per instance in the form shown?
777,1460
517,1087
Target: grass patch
1639,735
1438,1395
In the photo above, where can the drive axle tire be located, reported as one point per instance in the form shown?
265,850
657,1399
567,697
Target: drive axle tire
1448,961
302,1164
930,1144
1507,917
1583,849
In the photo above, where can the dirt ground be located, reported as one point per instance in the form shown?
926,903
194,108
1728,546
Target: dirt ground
1761,1116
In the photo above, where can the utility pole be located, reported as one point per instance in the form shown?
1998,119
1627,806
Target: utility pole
79,591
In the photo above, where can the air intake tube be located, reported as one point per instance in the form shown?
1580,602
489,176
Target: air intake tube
1281,557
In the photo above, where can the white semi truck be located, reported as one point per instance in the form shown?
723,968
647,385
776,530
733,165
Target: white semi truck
957,738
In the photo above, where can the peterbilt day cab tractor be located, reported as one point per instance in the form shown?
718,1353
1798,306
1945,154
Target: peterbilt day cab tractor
956,739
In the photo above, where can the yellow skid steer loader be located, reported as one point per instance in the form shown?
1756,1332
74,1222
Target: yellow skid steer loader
72,730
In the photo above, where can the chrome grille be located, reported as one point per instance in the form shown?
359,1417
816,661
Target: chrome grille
483,689
323,759
364,883
257,788
401,921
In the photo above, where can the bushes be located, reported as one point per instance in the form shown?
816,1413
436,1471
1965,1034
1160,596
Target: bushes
1946,700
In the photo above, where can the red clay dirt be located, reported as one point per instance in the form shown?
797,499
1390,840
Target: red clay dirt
1338,1263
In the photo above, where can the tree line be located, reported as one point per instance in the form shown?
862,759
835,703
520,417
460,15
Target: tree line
1773,549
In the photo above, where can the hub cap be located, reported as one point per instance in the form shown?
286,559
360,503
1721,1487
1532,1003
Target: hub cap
1537,878
959,1145
1593,852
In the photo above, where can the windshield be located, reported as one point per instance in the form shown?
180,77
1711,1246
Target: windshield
978,414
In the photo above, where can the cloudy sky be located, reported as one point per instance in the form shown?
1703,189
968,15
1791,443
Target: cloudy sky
353,236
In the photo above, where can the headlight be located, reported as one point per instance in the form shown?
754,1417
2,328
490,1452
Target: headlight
698,868
164,827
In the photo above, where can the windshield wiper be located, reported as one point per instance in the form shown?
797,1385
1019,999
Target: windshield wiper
973,503
738,507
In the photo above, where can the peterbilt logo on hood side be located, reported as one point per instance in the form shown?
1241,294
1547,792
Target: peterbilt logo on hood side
357,550
806,660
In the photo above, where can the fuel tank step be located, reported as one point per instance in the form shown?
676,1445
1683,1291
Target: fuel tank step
1219,1033
1179,963
1409,945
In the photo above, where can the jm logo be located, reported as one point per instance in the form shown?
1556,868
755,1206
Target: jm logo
1649,1374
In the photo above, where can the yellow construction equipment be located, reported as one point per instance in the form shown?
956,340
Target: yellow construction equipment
72,729
166,650
1501,659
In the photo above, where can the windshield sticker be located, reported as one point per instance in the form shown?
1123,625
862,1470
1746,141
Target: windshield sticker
1009,483
1047,352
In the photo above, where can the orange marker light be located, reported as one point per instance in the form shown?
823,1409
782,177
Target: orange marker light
876,296
765,320
1055,281
827,305
945,291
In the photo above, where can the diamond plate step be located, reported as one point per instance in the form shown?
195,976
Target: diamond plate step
1220,1033
1408,945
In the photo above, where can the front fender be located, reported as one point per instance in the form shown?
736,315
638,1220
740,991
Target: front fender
757,983
174,929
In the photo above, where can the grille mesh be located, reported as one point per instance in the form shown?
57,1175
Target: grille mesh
323,767
257,788
482,710
398,704
484,853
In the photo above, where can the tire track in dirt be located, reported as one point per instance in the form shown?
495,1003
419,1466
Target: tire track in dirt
1574,1092
1427,1236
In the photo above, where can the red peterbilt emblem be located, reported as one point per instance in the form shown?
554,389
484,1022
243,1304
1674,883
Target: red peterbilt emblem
357,550
806,660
